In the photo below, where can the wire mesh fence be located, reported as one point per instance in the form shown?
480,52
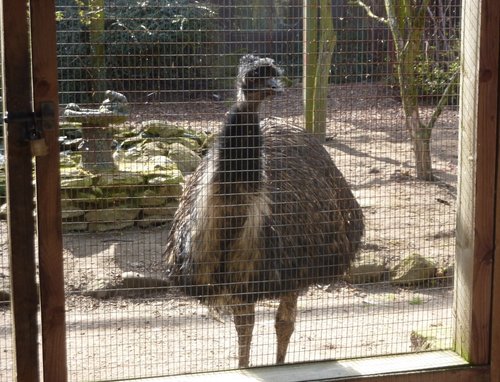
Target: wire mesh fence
147,91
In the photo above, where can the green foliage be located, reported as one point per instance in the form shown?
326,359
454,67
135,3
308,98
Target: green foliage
149,46
89,10
433,77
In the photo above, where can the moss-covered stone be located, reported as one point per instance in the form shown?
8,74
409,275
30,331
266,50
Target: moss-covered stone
166,211
149,198
119,178
74,226
70,210
146,179
153,148
131,142
116,214
76,182
148,166
186,159
190,143
70,160
413,270
367,269
162,129
434,338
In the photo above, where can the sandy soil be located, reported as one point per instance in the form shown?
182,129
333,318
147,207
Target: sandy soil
161,333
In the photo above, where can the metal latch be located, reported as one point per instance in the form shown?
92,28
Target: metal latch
35,124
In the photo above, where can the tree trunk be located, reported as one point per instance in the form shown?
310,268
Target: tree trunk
97,49
421,139
406,23
319,42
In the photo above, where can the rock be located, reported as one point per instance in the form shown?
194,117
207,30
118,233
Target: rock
70,130
70,211
116,194
413,270
446,274
153,221
131,142
159,128
367,269
71,145
149,198
77,182
119,178
84,197
190,143
153,148
138,280
186,159
142,165
112,215
74,226
70,160
166,211
170,190
158,215
433,338
74,171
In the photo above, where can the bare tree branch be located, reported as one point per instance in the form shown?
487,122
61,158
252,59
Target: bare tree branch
442,101
369,12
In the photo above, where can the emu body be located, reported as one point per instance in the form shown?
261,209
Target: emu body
266,215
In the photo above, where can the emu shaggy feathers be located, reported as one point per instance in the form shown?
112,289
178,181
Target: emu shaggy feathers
252,228
266,215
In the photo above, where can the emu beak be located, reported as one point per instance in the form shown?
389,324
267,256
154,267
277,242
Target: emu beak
274,85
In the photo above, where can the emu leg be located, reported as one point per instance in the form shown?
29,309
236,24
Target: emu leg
285,323
244,320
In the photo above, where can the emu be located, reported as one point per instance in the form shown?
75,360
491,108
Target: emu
265,215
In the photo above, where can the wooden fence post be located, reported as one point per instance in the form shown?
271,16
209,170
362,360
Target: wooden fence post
17,97
45,94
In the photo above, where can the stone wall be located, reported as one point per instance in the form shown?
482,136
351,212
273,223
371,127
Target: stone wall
143,189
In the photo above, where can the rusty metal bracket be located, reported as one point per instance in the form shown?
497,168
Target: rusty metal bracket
35,124
45,119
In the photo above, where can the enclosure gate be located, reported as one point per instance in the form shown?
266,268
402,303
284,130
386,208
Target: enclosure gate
30,101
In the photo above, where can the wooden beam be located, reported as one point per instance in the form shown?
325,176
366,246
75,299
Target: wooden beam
439,366
17,101
50,247
494,13
476,200
469,374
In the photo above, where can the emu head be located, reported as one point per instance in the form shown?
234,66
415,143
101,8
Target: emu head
258,78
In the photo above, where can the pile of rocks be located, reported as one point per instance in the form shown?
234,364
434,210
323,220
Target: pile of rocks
143,187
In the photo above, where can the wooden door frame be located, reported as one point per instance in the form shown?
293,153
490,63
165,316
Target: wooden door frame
477,306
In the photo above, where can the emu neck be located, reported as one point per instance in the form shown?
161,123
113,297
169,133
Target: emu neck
240,145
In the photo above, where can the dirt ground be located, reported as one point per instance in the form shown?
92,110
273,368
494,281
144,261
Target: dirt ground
160,333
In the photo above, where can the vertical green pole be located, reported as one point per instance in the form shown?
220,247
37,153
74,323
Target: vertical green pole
310,57
319,42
